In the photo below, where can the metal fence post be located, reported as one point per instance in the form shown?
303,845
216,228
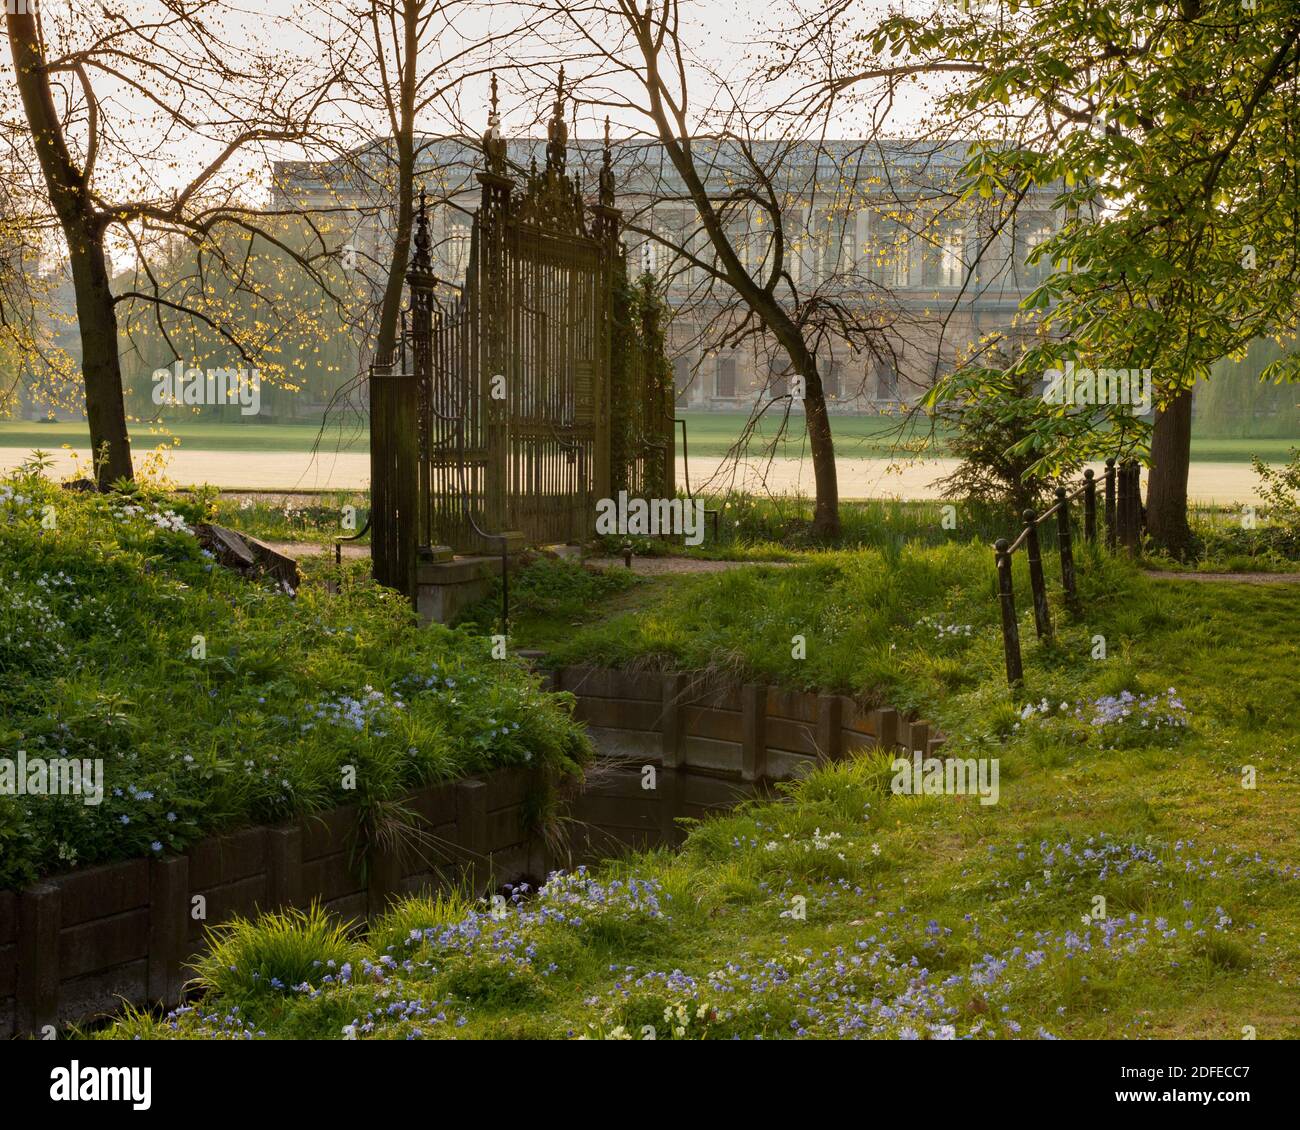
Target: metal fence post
1010,632
1067,548
1037,584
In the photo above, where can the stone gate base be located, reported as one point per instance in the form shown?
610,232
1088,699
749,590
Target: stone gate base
447,584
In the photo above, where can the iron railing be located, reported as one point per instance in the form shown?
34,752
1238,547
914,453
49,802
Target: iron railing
1123,519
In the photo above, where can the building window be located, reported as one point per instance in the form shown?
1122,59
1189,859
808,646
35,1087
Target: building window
889,252
458,244
943,261
724,378
831,380
952,258
796,245
1032,232
835,244
778,384
682,377
886,381
736,230
680,228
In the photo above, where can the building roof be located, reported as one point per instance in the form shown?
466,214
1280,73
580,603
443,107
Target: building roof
911,164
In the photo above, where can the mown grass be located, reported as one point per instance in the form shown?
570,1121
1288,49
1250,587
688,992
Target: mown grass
712,435
213,701
842,909
548,595
246,435
709,434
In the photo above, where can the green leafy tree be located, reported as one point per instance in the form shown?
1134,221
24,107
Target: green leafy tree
1175,130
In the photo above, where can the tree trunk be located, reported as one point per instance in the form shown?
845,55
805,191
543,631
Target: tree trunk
84,231
404,141
395,284
1171,451
821,445
390,530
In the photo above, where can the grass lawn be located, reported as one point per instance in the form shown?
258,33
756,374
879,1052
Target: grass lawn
709,434
1124,885
319,520
249,435
865,437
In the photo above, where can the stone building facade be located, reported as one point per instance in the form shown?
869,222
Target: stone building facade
898,276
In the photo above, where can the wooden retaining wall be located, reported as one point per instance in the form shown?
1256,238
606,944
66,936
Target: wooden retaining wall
76,946
748,733
710,745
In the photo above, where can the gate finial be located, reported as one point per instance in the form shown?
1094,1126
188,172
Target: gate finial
557,132
494,145
421,261
606,182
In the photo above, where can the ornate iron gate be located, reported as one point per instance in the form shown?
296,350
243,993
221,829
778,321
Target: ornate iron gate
507,424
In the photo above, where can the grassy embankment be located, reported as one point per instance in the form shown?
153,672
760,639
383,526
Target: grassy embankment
1125,884
213,701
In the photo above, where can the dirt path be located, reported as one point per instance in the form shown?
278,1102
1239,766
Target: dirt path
1229,578
664,566
314,548
668,566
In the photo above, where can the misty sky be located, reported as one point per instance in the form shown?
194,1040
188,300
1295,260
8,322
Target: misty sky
725,36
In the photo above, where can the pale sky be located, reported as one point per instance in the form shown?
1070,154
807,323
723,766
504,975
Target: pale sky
148,157
723,34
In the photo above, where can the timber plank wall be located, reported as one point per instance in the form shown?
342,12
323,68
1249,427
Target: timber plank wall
76,946
710,745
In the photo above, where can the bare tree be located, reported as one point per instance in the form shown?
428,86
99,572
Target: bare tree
114,104
400,132
646,49
773,232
